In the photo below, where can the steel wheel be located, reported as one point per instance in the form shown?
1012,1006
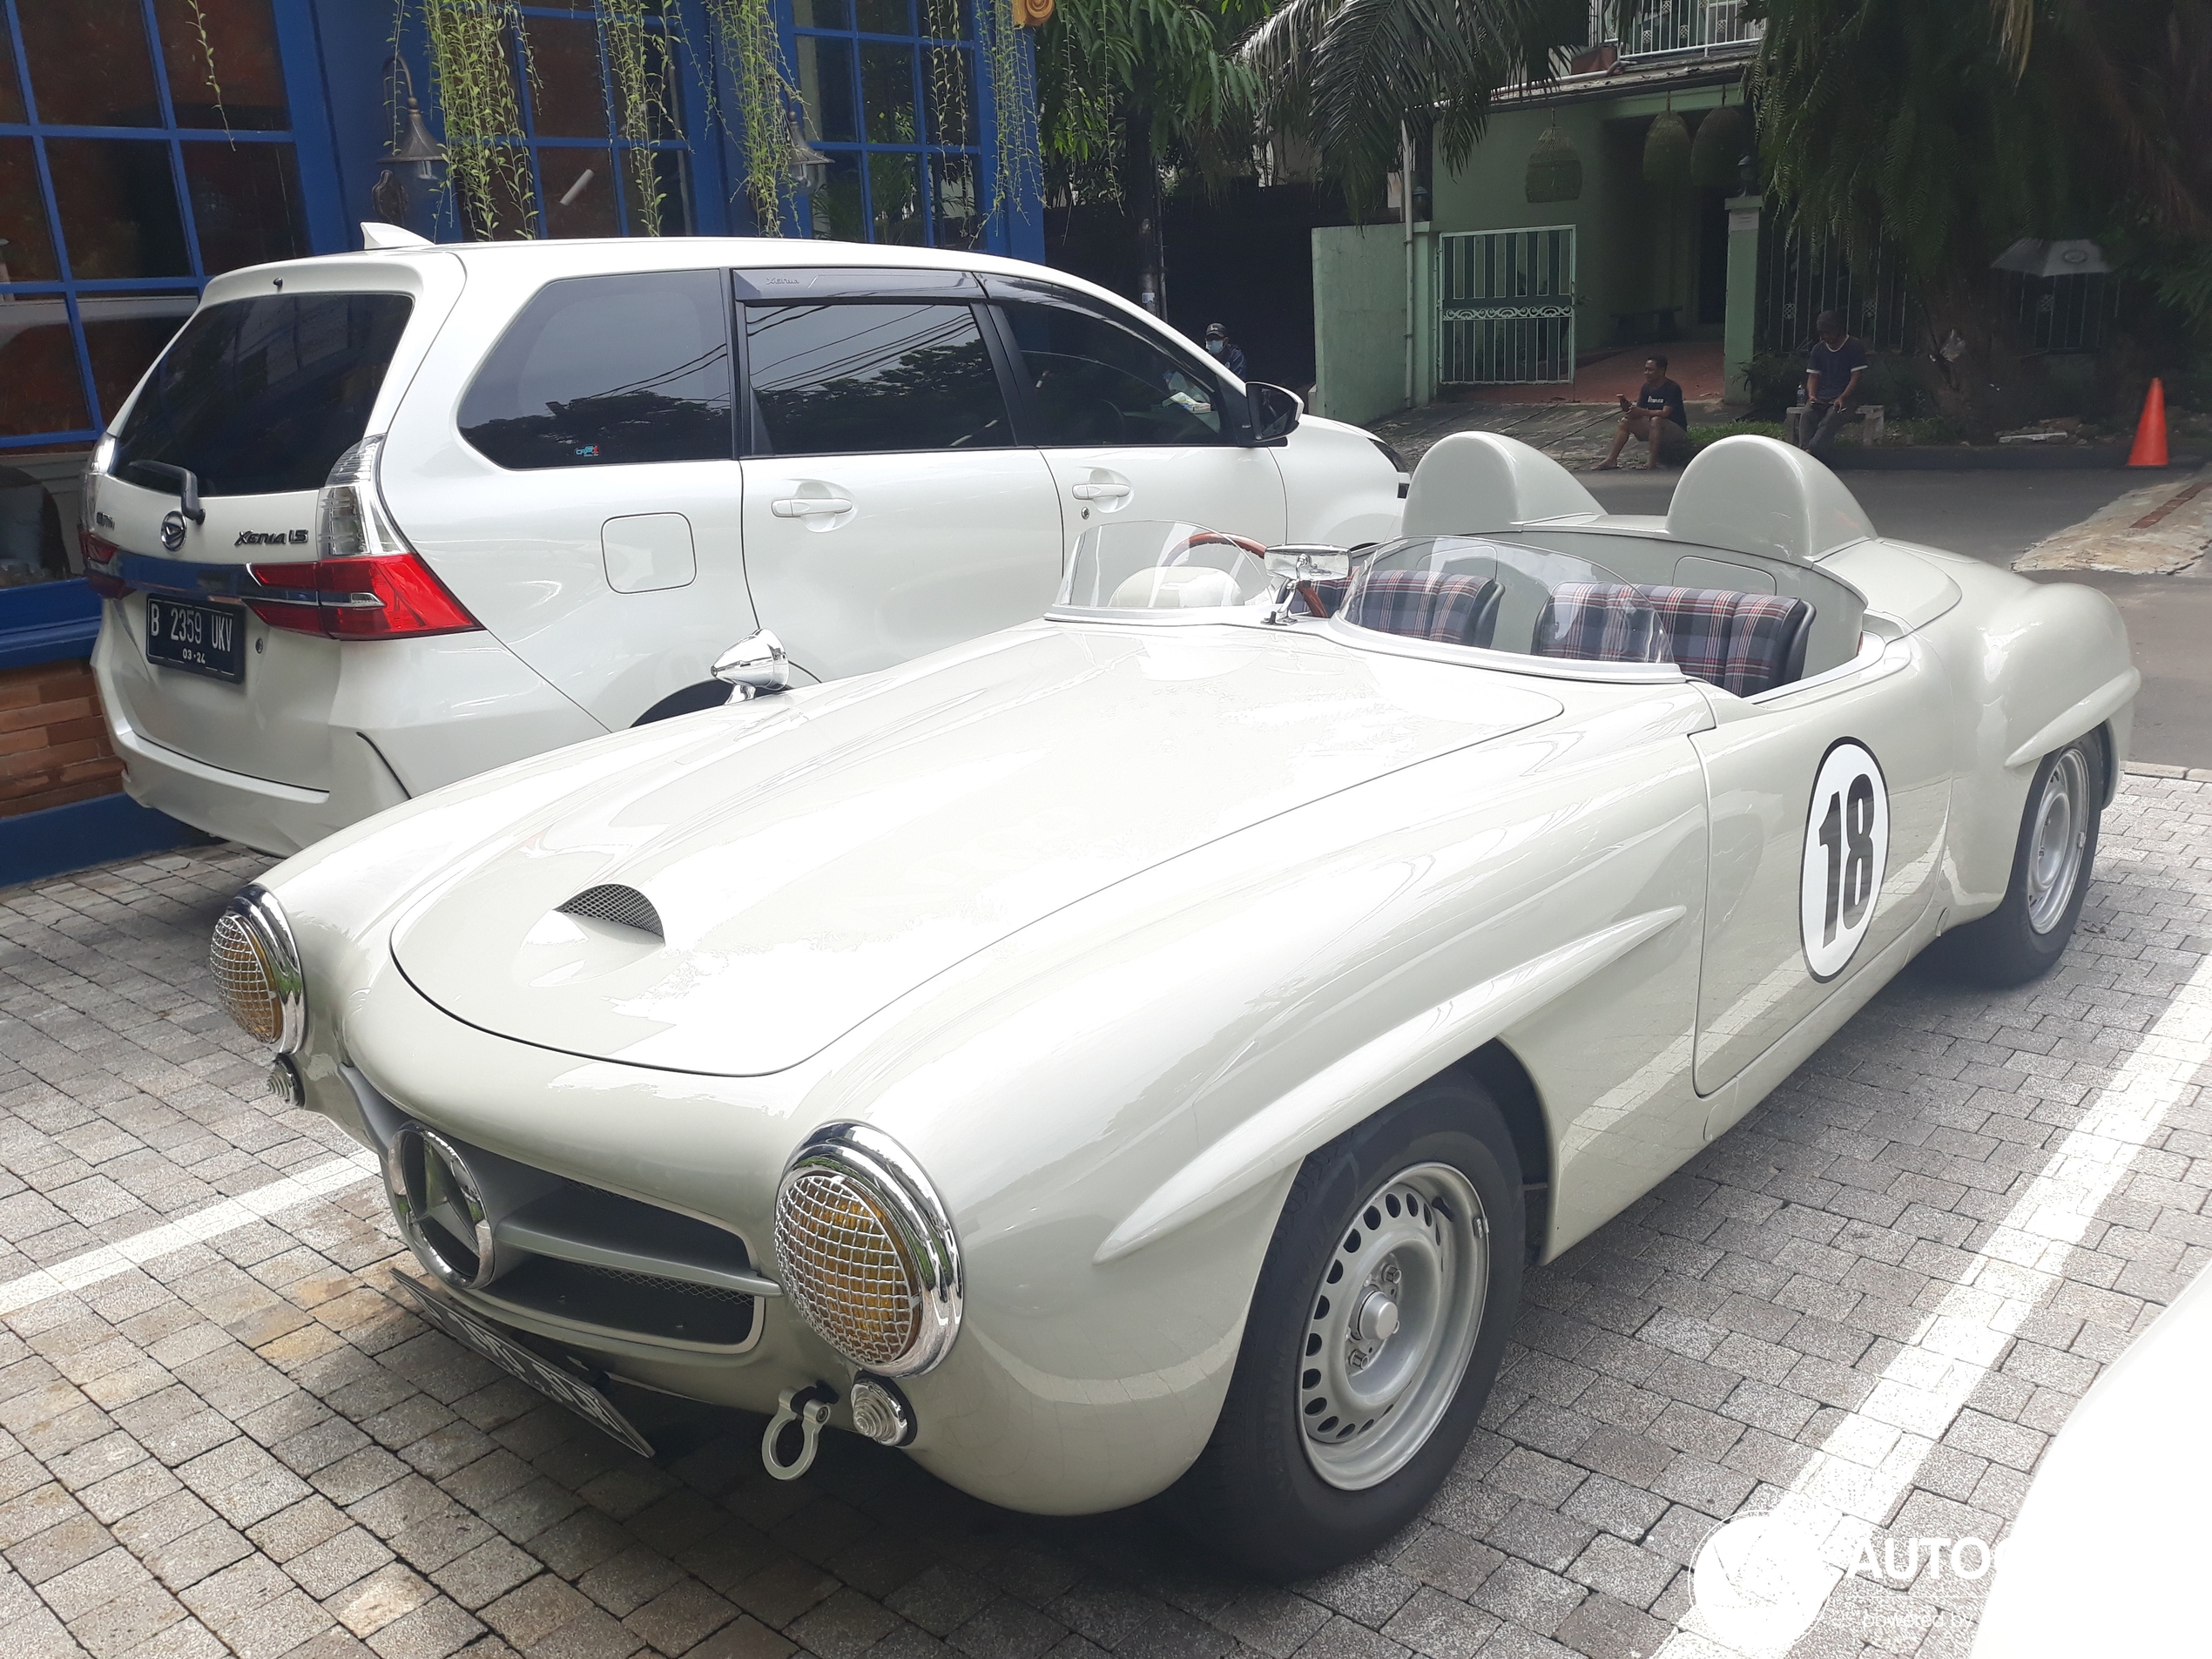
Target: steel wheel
2056,842
1393,1322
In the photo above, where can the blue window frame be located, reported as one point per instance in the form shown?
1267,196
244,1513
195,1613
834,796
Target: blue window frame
892,99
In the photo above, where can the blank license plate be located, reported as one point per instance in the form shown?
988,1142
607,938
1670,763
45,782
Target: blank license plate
200,639
518,1361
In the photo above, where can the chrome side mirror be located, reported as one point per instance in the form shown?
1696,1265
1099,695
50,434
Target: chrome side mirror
757,666
1291,566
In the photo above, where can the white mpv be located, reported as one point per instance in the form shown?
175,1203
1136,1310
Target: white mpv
378,521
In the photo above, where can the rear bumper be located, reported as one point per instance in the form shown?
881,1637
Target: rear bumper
408,716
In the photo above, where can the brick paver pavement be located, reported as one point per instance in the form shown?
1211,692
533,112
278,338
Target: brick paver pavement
245,1445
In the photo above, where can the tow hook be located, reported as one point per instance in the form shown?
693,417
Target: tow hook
805,1410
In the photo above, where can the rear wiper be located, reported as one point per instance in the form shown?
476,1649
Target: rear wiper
187,486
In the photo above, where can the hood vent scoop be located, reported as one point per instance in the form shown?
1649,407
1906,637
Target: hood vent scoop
624,907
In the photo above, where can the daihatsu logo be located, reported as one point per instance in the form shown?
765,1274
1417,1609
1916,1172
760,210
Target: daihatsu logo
172,530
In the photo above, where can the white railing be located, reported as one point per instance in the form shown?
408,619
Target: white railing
1659,26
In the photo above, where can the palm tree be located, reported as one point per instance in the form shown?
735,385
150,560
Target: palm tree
1127,88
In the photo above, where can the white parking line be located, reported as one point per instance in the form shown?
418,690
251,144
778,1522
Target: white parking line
109,1260
1870,1459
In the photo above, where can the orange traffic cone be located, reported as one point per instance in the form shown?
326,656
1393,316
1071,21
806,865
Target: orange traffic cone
2151,431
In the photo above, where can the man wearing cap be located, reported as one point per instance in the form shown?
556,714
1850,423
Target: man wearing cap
1831,384
1221,345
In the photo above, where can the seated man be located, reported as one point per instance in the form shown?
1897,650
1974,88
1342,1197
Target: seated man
1831,384
1656,416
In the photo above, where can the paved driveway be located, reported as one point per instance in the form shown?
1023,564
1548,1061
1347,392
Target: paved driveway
1883,1292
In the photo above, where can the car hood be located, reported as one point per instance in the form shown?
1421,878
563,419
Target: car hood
811,858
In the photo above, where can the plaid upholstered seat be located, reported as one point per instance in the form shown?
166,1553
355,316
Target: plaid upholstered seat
1744,642
1424,604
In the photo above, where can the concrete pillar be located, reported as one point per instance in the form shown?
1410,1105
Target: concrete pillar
1739,331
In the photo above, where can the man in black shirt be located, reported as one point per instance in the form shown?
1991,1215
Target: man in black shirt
1656,416
1831,384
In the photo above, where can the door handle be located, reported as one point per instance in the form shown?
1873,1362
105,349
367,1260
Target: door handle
810,506
1099,492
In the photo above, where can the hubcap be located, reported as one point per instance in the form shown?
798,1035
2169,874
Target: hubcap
2058,839
1392,1324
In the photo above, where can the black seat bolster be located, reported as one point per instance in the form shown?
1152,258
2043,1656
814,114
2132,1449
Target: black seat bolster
1793,654
1482,627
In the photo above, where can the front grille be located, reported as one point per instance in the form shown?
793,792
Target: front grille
841,1265
624,907
643,1305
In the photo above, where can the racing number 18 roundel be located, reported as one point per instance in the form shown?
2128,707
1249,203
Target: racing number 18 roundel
1847,844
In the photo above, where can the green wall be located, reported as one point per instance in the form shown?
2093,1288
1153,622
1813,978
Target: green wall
1359,321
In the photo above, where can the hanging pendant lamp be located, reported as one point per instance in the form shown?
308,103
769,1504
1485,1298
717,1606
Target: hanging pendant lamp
1555,168
1666,150
1724,139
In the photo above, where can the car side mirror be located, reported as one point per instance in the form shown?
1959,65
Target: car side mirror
1275,412
1292,566
757,666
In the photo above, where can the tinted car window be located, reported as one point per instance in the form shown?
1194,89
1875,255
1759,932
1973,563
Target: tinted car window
264,394
849,379
600,371
1094,381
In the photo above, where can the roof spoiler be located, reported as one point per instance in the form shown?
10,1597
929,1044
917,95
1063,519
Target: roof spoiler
376,234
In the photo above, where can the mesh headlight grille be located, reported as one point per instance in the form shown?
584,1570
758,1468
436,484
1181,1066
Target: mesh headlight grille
844,1267
244,982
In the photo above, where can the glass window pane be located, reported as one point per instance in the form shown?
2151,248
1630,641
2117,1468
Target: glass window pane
657,193
567,98
579,188
264,394
823,14
234,64
887,92
825,88
32,549
10,89
949,92
1097,383
28,254
244,204
894,197
38,367
857,379
89,63
123,333
600,371
887,17
960,216
118,208
839,214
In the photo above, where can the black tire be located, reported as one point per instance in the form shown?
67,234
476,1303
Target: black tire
2008,947
1254,1495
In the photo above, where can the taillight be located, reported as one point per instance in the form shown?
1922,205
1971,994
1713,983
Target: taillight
365,582
376,595
99,554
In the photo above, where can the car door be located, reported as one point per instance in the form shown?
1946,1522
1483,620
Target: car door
1131,427
888,510
589,515
1828,807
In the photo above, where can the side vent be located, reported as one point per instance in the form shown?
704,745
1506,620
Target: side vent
624,907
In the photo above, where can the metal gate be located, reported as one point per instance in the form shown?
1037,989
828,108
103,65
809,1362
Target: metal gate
1506,306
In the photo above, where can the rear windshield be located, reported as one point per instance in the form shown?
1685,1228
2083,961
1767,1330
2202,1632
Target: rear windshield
260,395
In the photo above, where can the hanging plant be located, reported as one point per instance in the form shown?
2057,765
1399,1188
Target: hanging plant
472,66
1724,139
644,110
207,57
751,57
1555,168
1666,150
1005,55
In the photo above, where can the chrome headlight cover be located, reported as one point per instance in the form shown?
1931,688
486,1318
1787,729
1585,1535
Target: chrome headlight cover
256,921
901,1195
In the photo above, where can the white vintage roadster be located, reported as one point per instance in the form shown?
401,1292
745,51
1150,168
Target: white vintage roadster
1145,1048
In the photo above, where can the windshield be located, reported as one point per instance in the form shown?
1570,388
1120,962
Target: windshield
1149,565
264,394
